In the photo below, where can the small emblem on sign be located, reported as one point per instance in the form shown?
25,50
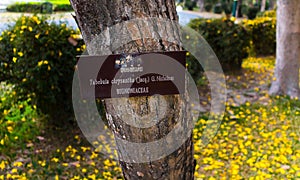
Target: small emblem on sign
132,74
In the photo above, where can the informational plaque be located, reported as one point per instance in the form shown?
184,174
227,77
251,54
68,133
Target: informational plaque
129,75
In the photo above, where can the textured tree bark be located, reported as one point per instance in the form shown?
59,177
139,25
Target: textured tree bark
201,4
98,16
288,49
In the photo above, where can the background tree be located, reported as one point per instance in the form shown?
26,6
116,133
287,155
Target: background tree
201,4
288,49
263,5
97,16
239,9
272,4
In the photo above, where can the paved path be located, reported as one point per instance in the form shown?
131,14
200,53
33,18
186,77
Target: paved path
184,17
207,15
9,16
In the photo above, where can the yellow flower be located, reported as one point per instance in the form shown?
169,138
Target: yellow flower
9,129
15,59
40,63
37,21
30,29
2,165
93,177
65,164
5,112
18,164
23,119
14,170
42,163
20,54
55,160
37,36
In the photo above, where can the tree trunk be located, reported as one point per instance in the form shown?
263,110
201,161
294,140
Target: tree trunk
272,4
102,26
201,4
288,49
238,9
263,5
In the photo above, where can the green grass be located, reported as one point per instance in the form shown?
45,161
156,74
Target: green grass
57,2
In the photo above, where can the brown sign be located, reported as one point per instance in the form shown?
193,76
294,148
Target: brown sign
129,75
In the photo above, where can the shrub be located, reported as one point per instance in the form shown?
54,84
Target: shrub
18,120
218,9
244,9
226,8
229,41
252,11
38,59
63,7
208,7
36,7
263,35
24,7
190,4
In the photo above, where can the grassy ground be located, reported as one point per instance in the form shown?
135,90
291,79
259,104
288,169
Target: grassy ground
59,1
258,139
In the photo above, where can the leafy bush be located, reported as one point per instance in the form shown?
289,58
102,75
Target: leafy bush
263,35
39,60
18,120
218,9
226,7
24,7
229,41
244,9
63,7
190,4
252,11
208,7
36,7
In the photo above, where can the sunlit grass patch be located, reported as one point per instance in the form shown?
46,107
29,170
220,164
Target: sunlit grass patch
253,141
59,1
259,65
258,139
